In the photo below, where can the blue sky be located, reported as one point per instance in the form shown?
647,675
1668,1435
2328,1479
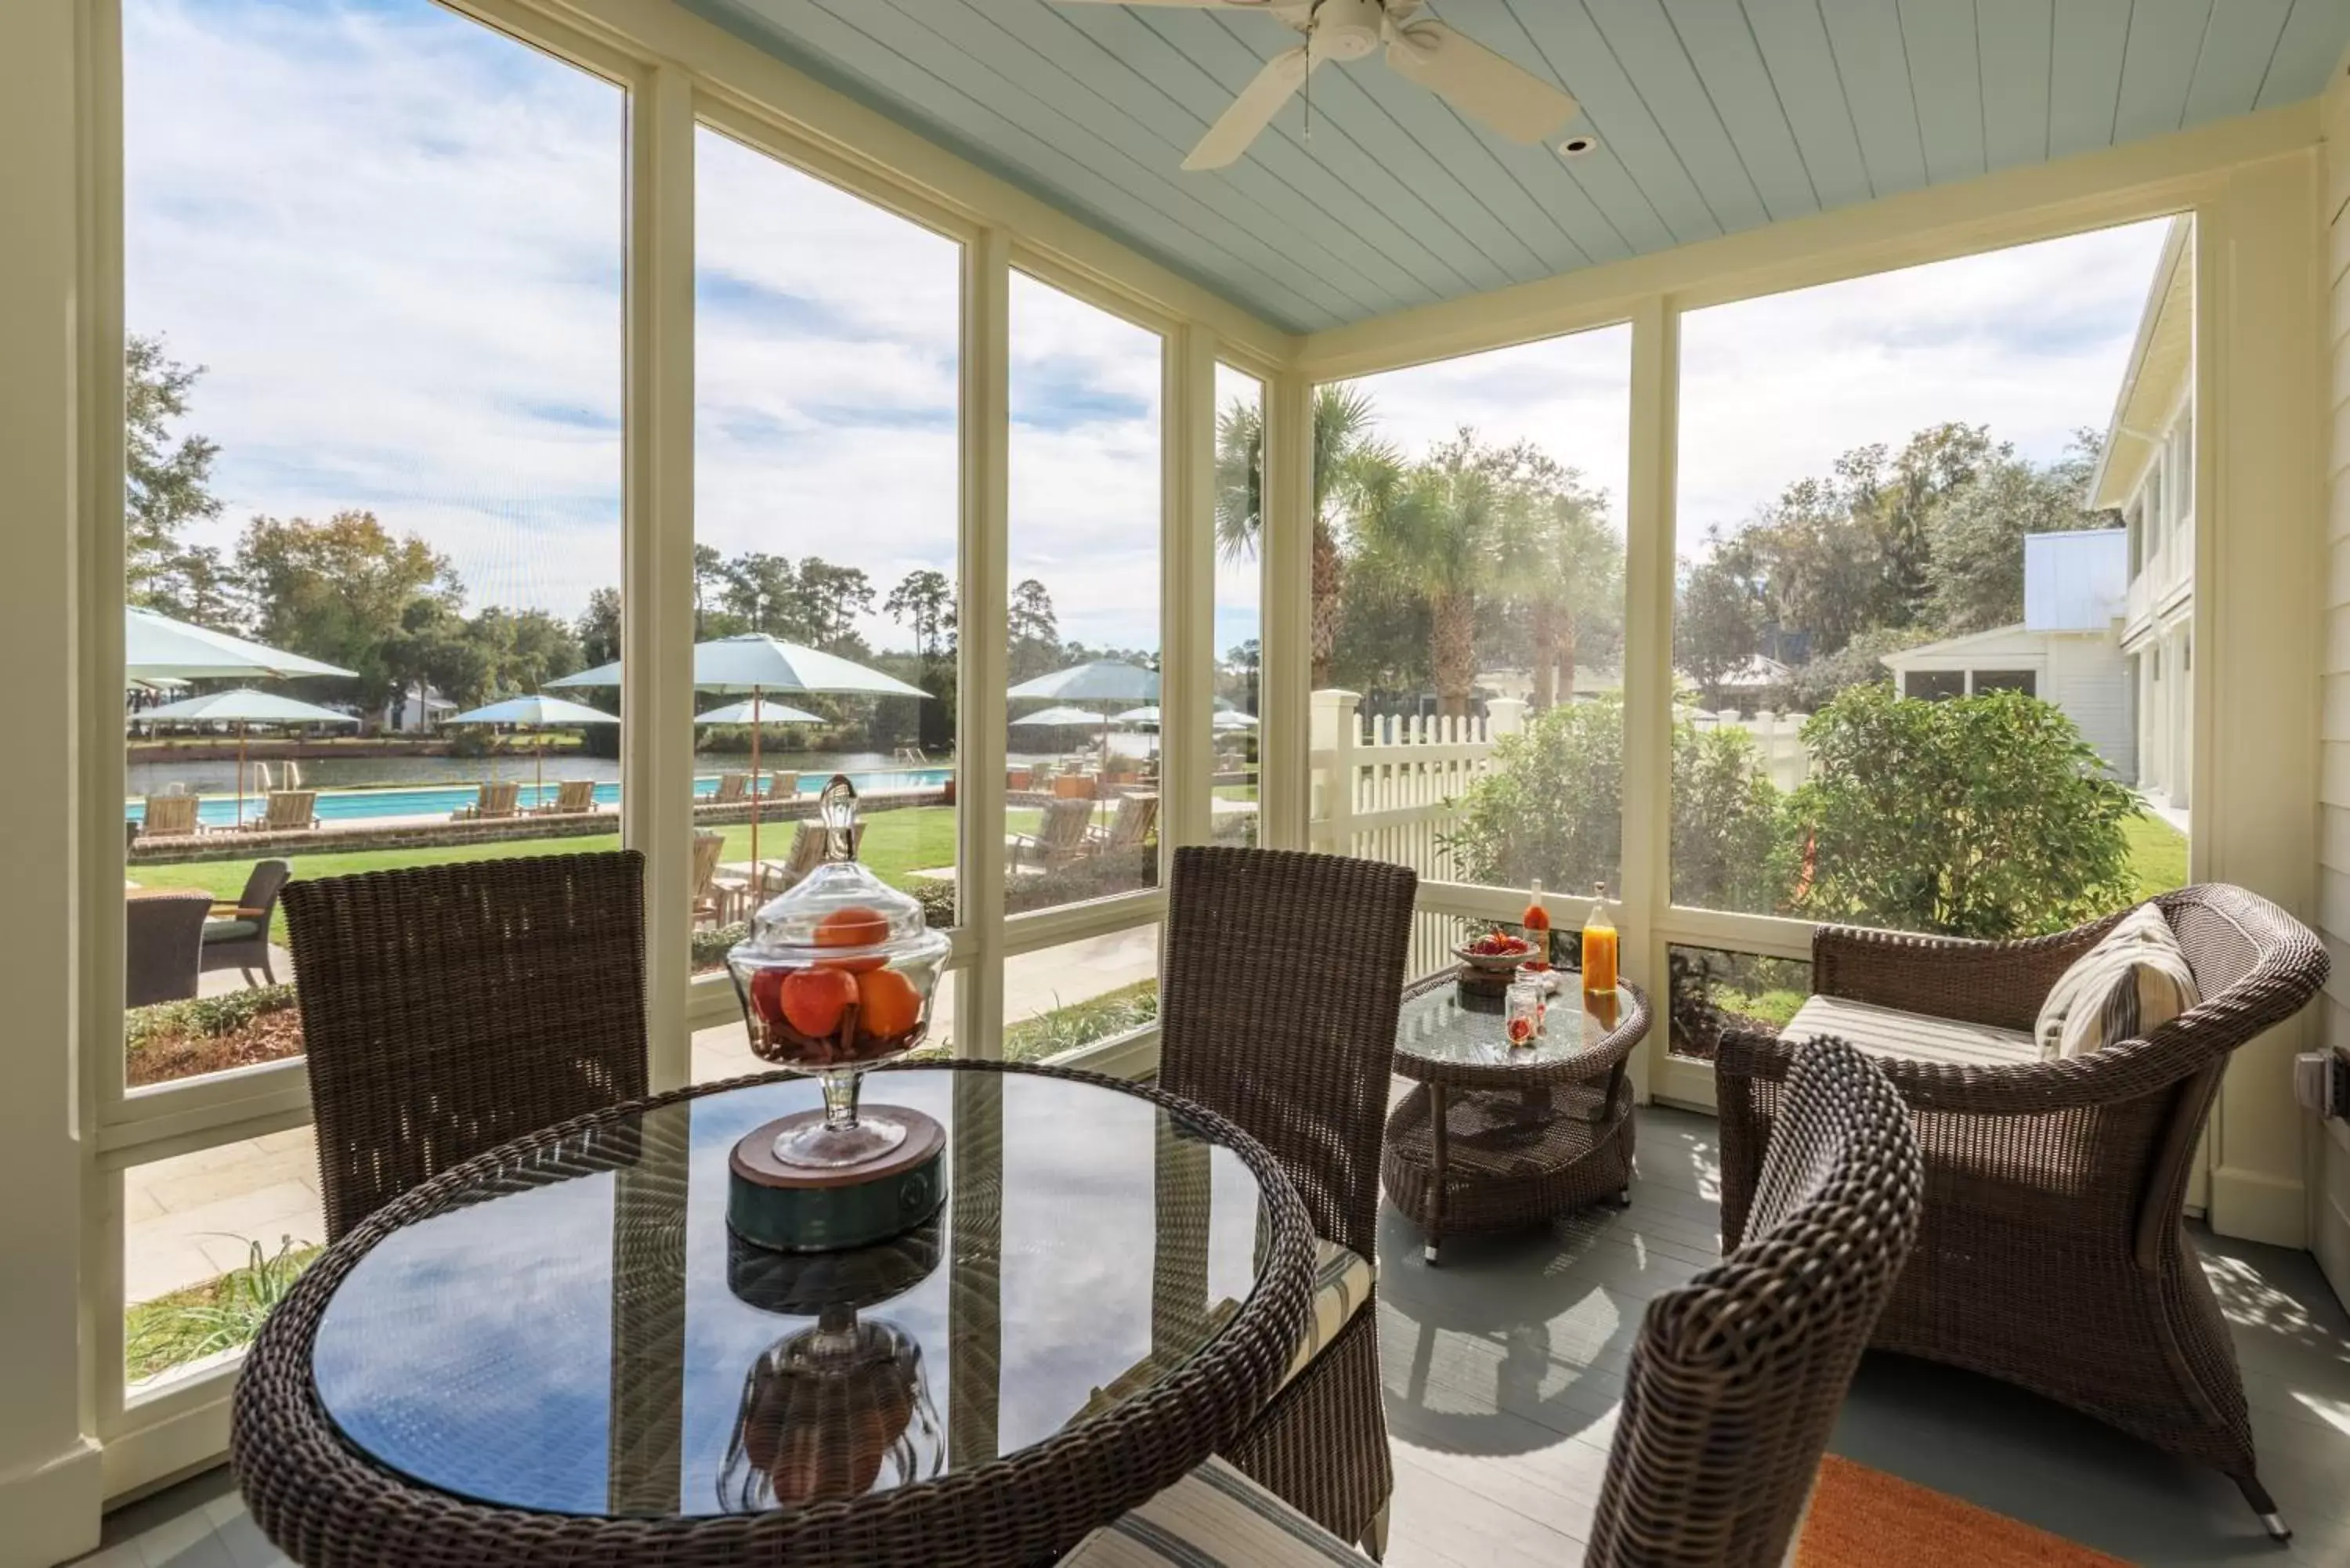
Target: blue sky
394,238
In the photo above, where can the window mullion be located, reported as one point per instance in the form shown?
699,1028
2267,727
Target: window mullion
983,592
656,593
1648,652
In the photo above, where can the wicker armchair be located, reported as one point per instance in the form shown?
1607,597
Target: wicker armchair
447,1009
1265,1019
1737,1376
2054,1255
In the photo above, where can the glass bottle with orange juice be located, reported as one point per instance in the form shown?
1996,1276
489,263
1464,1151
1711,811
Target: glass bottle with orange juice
1599,950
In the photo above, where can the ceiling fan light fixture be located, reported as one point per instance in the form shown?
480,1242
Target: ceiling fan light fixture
1578,145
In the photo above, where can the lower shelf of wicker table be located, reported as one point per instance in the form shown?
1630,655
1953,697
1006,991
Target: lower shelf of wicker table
1512,1157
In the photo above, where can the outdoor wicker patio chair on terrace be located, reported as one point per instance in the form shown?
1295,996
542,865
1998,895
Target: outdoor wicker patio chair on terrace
2054,1255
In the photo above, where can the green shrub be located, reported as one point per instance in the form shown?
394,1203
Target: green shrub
1551,807
1982,816
203,1016
709,943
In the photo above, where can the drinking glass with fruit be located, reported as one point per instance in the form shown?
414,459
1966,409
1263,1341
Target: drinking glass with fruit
836,975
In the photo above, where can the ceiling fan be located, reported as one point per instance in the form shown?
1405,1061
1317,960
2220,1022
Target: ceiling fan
1470,76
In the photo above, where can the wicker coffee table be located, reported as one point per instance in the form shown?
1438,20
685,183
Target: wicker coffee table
1493,1136
559,1353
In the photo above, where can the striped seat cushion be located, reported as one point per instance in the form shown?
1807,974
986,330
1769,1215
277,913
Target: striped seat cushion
1911,1036
1341,1283
2135,980
1213,1518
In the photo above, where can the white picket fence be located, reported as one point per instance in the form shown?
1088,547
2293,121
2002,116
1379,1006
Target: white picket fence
1391,788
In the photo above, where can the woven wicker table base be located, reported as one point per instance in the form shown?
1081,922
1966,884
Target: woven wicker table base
1467,1161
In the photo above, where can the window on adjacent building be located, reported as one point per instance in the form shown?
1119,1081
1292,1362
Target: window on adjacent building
2024,680
1934,685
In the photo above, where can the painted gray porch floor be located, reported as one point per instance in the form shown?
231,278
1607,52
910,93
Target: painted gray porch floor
1503,1368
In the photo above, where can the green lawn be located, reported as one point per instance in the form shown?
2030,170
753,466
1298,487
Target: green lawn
2158,854
895,843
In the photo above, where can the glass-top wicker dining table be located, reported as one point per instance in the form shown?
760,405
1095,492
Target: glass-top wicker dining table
559,1353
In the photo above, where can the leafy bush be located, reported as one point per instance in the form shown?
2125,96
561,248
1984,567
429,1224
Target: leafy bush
206,1017
1982,816
1551,807
710,942
1712,989
1725,821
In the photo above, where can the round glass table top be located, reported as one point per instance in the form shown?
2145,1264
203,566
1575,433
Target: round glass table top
1442,1026
583,1334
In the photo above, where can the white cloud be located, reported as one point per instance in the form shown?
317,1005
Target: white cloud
2031,341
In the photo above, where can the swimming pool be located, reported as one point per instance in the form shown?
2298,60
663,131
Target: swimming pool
439,800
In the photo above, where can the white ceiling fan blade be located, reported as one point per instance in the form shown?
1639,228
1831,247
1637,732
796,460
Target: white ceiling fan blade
1477,82
1195,4
1251,111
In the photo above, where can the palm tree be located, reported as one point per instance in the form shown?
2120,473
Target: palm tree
1555,555
1353,473
1437,536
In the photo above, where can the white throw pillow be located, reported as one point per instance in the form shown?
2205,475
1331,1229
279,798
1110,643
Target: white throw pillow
2133,980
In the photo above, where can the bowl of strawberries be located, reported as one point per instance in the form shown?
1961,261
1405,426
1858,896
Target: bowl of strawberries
1497,953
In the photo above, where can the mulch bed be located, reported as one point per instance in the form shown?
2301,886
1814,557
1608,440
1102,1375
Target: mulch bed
271,1037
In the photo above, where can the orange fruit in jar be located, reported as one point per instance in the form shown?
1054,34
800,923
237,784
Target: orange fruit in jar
814,999
854,927
887,1004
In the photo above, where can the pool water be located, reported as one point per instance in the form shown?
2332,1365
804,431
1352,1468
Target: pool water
440,800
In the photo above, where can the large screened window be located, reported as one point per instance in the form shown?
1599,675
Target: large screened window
1912,635
1468,618
1082,639
827,500
372,297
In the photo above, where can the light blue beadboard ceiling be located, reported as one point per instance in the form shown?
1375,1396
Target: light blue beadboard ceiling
1712,116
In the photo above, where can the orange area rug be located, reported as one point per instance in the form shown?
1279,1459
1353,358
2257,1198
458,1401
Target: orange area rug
1863,1518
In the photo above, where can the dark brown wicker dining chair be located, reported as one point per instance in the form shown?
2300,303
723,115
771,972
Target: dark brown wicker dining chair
1281,982
1737,1376
2055,1253
447,1009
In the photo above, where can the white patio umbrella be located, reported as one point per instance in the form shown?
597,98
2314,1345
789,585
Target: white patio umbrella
757,712
243,706
537,712
157,647
1109,682
1055,718
754,663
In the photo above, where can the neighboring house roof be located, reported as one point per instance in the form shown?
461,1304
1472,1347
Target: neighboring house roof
1760,670
2159,362
2005,641
2076,580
